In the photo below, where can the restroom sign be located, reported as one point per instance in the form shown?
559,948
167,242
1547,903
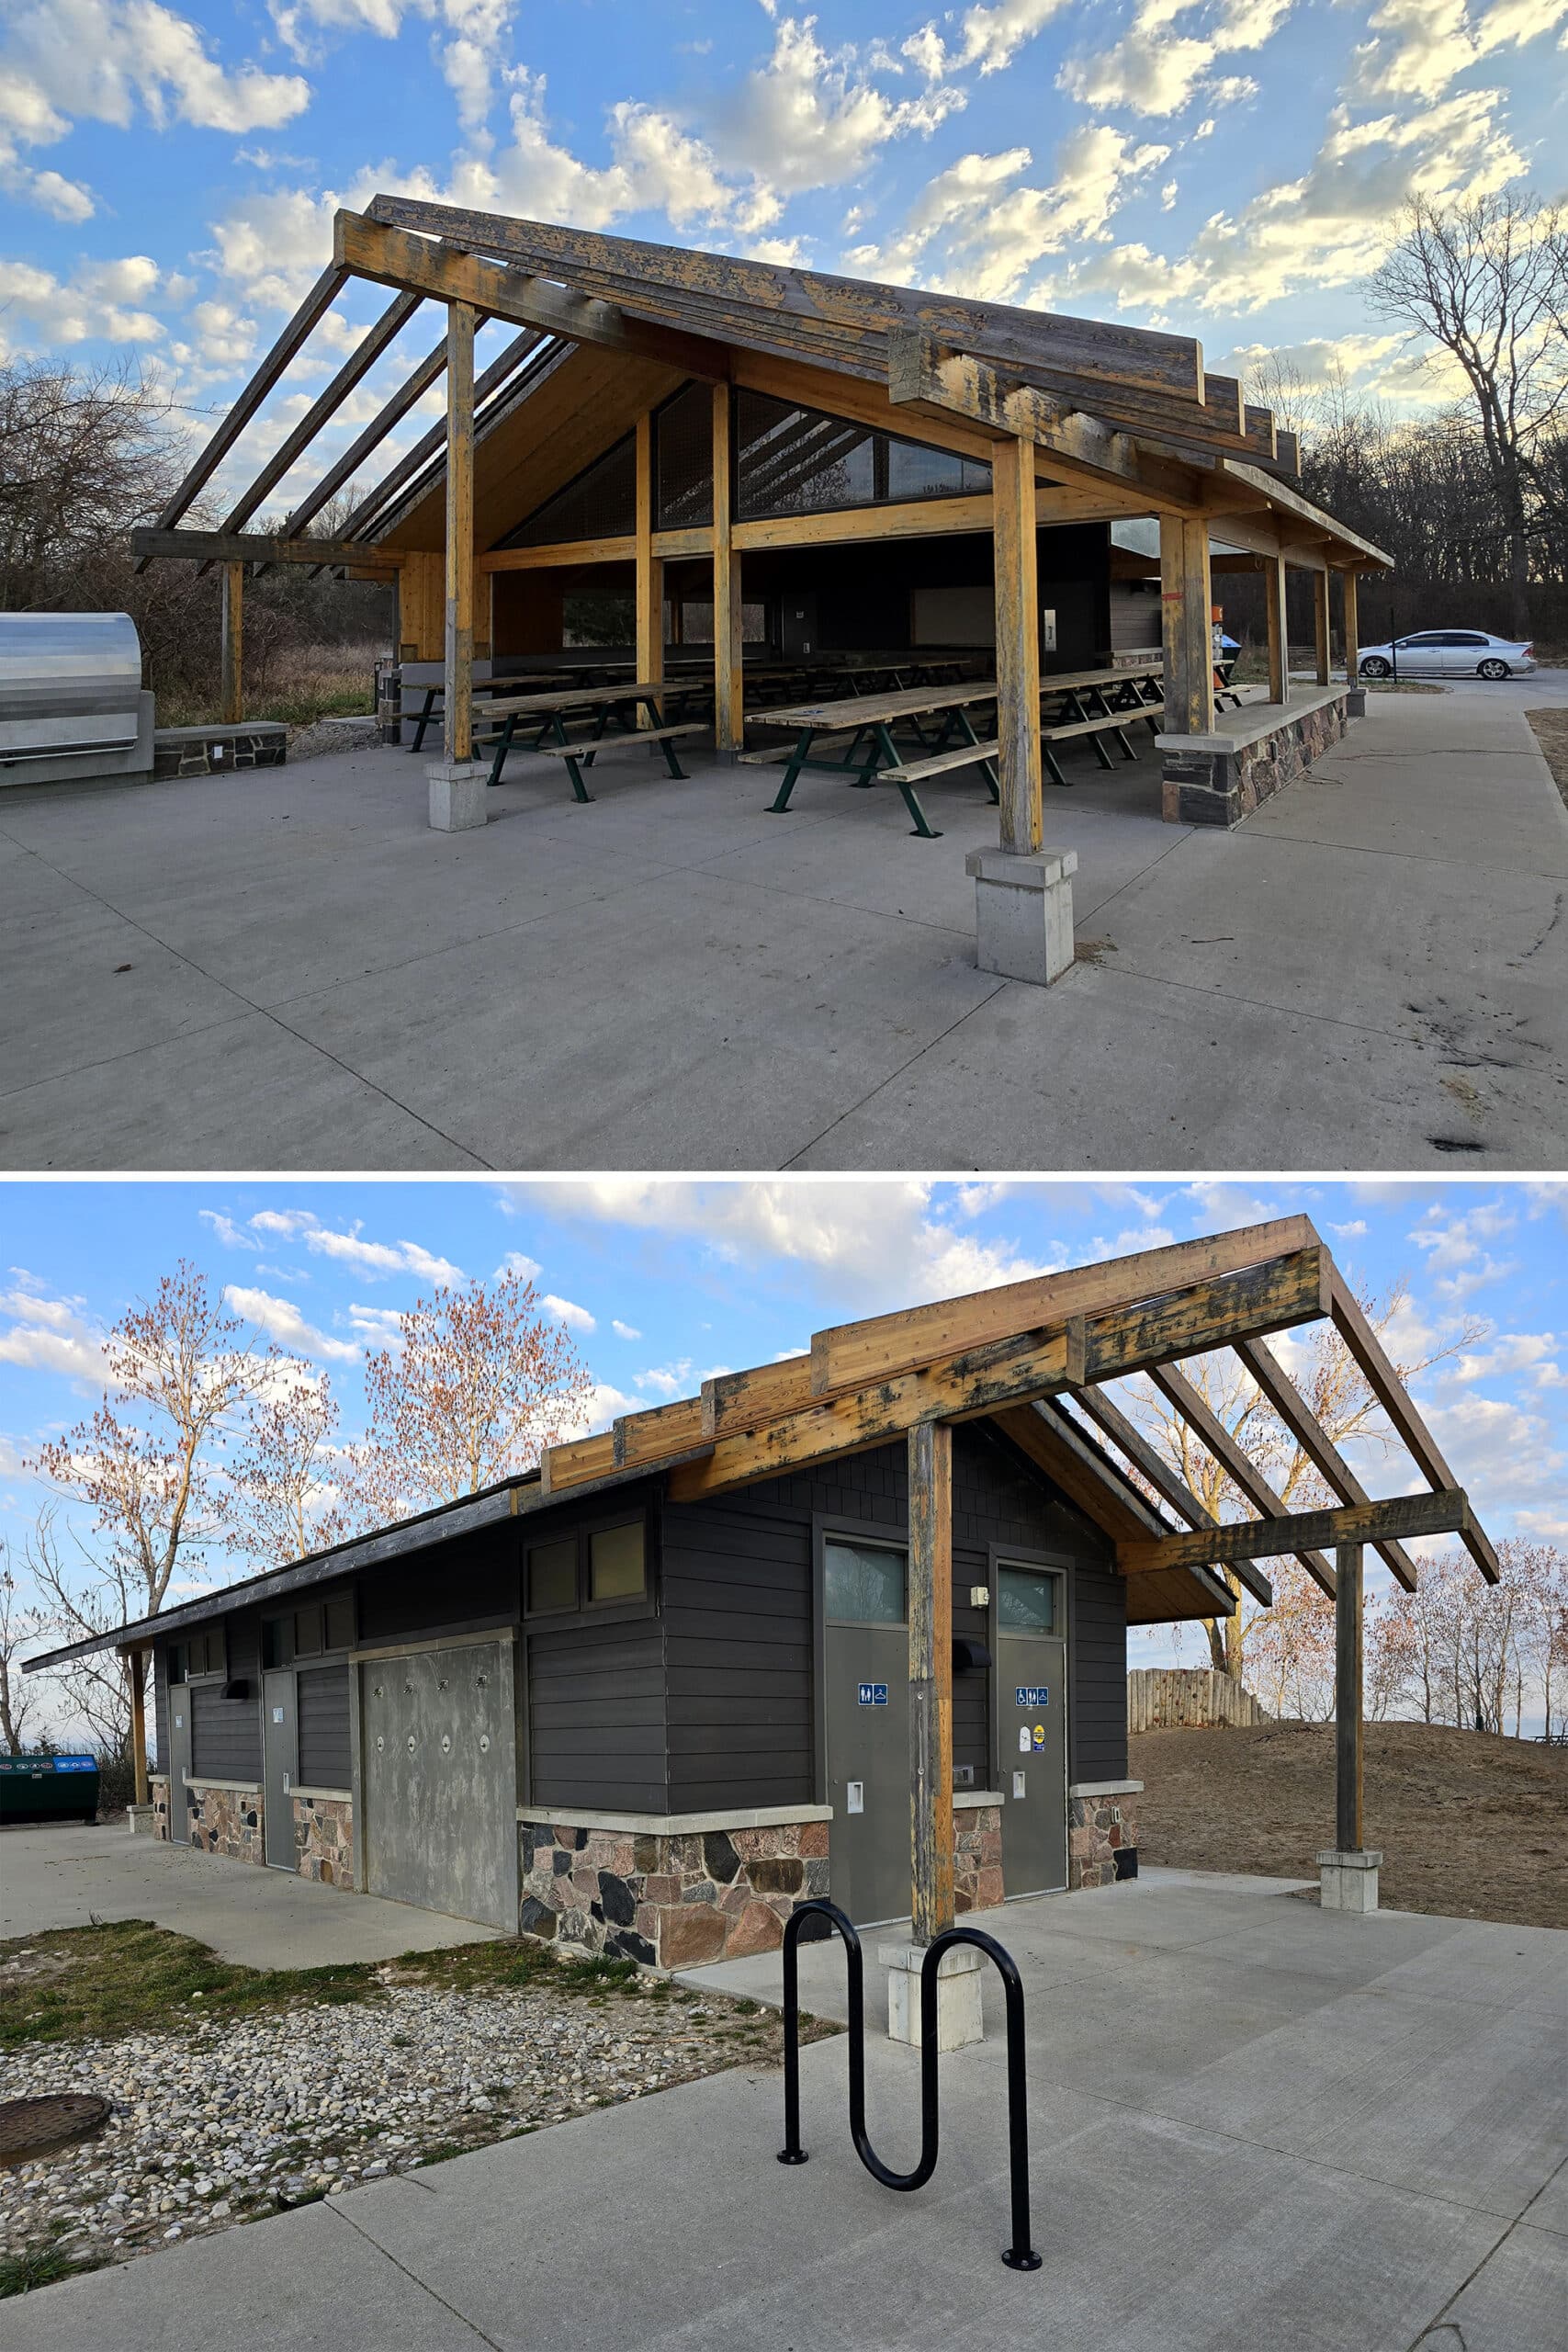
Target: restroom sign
1031,1695
873,1694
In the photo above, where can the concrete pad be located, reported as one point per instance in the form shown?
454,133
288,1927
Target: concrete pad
1550,2211
1515,2302
156,997
66,1877
269,2284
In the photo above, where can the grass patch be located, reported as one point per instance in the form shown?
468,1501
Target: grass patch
38,2266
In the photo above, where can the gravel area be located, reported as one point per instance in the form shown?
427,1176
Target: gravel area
223,2121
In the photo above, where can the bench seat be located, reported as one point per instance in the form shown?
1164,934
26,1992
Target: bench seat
915,771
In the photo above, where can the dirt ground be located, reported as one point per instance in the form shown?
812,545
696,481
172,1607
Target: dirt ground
1471,1825
1551,734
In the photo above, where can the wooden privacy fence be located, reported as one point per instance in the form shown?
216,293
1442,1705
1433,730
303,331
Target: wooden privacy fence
1187,1697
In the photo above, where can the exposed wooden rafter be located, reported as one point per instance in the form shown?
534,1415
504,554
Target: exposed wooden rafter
1238,1466
1439,1513
1292,1407
258,547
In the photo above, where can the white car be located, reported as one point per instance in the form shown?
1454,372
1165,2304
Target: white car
1450,653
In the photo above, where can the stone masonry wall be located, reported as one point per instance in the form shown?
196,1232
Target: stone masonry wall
977,1857
1220,787
158,1798
213,751
671,1901
227,1821
323,1836
1100,1829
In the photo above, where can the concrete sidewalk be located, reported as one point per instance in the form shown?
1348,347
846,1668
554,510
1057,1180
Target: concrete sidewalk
288,970
68,1876
1253,2124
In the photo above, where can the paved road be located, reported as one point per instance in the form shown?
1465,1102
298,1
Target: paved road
66,1877
1254,2124
287,969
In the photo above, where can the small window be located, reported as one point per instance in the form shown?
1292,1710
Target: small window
864,1584
616,1569
204,1654
552,1575
178,1667
340,1623
272,1642
308,1631
1026,1603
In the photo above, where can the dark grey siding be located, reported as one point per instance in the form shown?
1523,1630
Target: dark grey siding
161,1707
597,1716
471,1583
324,1760
225,1734
738,1645
1097,1719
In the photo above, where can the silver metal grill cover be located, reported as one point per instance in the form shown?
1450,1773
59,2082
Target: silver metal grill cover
69,683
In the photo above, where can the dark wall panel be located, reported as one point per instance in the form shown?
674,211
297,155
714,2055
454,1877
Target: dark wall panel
325,1761
160,1708
1099,1713
736,1589
225,1734
473,1581
595,1717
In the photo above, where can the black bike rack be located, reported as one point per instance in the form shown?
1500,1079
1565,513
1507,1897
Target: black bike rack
1019,2256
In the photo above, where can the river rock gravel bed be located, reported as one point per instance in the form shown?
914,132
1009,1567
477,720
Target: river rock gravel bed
223,2121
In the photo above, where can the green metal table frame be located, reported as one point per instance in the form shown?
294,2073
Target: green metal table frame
862,770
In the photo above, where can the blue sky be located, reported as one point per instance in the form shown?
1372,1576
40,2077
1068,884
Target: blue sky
1227,168
666,1281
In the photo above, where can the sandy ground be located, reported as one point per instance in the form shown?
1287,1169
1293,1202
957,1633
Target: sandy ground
1471,1826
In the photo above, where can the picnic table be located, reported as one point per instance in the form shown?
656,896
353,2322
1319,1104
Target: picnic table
1093,704
545,716
862,726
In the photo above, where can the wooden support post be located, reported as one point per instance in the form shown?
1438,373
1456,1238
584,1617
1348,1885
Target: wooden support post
1187,595
1278,630
457,696
136,1674
234,686
1348,1698
649,567
728,659
1320,623
1352,631
931,1679
1018,647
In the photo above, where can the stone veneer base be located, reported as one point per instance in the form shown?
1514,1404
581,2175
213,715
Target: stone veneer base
1219,779
667,1900
214,751
1103,1838
232,1822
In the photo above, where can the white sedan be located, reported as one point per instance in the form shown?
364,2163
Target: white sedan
1450,653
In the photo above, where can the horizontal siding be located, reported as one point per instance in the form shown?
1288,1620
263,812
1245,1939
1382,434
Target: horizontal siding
225,1734
325,1757
595,1717
737,1595
1098,1715
161,1707
474,1581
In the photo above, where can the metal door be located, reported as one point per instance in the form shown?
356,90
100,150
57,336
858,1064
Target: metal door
797,626
280,1769
440,1781
179,1762
866,1712
1032,1668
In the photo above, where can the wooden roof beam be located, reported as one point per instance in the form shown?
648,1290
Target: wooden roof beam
1084,1475
312,310
148,545
1287,1402
395,258
1439,1513
1389,1389
1237,1465
1152,1464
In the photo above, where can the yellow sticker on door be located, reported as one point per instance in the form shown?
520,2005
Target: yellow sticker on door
1039,1734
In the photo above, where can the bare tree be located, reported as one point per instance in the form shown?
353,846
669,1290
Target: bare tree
1488,282
78,1605
286,1493
20,1627
481,1380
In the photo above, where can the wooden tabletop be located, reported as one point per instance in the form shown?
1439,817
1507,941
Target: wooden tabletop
575,698
908,702
1065,681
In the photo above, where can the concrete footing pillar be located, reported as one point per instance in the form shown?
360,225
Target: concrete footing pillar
1349,1882
1355,702
958,2019
1023,912
141,1820
457,794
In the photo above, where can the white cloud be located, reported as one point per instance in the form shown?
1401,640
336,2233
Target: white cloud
50,1335
518,1263
375,1260
624,1331
1455,1248
575,1317
378,1327
667,1380
1419,46
71,309
989,37
232,1236
282,1321
811,118
1156,70
1531,1353
1354,1231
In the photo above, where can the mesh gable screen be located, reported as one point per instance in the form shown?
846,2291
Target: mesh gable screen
600,505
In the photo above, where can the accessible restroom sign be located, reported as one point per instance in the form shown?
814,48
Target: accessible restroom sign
873,1694
1031,1695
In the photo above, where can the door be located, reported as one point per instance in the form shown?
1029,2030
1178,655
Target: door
280,1768
1032,1667
1467,650
1423,657
440,1780
797,626
179,1762
866,1712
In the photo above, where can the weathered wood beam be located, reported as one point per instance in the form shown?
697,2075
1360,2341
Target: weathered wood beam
959,1387
559,554
930,1451
1152,1464
457,683
1277,623
848,1355
1352,629
1301,1532
1287,1402
394,258
1348,1742
684,282
1083,1473
728,648
1277,495
1259,1299
1187,632
1238,1467
231,692
256,547
1320,624
1019,772
1389,1389
136,1674
650,569
312,310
